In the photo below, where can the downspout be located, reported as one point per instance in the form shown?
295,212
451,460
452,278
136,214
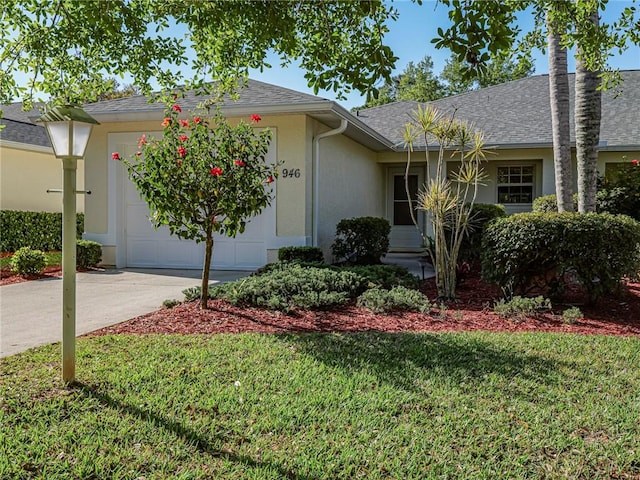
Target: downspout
316,174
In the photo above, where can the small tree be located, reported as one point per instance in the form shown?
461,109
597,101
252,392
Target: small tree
449,203
203,177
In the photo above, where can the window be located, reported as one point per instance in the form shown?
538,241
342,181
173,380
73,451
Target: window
401,212
515,184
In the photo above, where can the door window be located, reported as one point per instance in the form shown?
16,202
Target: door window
401,213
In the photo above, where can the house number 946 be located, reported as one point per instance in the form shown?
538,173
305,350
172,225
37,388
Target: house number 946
291,173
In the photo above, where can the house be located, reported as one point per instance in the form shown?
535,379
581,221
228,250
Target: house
28,167
336,164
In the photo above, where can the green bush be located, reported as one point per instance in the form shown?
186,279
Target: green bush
40,230
549,203
88,253
292,286
619,192
361,241
521,307
537,250
26,261
572,315
400,298
300,254
383,276
480,216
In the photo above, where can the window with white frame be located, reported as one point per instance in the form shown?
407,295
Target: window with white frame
515,184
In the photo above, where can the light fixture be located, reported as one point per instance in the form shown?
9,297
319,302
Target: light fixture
68,128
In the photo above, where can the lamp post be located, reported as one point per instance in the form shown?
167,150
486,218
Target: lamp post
68,128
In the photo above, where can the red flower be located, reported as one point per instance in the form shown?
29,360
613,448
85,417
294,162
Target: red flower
176,108
183,138
270,179
635,162
184,123
142,141
115,156
179,163
197,119
166,122
138,154
182,151
239,162
216,171
255,118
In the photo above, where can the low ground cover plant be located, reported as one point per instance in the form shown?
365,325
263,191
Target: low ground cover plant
520,308
291,286
379,300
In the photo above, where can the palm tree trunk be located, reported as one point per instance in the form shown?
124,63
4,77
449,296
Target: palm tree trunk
559,98
587,123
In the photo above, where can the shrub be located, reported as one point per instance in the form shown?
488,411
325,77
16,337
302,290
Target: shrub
549,203
572,315
383,276
480,216
293,286
40,230
361,241
619,191
88,253
300,254
28,262
398,298
521,307
537,250
170,303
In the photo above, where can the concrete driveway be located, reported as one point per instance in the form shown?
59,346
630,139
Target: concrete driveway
31,312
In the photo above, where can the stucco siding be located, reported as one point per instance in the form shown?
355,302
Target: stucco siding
25,176
352,184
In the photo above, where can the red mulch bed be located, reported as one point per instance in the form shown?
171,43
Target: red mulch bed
472,311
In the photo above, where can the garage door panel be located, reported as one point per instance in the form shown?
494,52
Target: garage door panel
144,252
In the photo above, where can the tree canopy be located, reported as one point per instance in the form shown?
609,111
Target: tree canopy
419,83
68,48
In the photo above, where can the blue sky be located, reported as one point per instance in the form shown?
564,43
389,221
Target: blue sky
410,39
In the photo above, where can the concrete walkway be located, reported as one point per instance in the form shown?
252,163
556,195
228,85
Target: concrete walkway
31,312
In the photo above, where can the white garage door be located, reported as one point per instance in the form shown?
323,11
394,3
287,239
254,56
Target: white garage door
147,247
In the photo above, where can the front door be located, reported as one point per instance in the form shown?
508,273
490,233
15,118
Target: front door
404,233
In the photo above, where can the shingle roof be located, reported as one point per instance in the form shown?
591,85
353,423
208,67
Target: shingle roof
518,113
255,94
19,128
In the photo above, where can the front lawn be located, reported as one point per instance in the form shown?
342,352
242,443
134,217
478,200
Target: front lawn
334,406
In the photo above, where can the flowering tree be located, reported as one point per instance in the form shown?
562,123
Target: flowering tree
203,177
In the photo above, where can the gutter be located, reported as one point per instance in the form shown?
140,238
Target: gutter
316,174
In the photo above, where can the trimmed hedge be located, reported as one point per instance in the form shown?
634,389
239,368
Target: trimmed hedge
27,261
549,203
536,250
88,253
37,230
481,215
362,240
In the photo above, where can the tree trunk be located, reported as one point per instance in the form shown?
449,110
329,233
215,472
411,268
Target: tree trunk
587,123
560,111
208,253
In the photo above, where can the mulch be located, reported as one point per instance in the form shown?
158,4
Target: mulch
472,311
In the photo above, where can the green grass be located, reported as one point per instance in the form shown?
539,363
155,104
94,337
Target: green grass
53,259
331,406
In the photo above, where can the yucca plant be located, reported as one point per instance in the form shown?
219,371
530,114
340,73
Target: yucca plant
448,202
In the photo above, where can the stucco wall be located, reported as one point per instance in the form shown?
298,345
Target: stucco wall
292,189
25,176
352,185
